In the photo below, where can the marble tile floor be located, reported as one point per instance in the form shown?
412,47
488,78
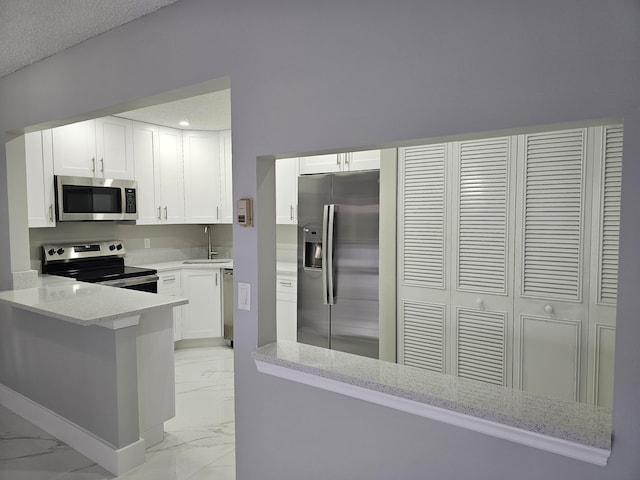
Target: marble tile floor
199,441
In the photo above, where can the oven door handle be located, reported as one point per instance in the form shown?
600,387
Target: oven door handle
128,282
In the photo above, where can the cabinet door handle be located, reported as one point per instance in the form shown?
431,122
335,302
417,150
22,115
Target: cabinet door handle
159,213
170,279
93,164
51,212
216,279
286,284
218,213
165,212
291,212
102,165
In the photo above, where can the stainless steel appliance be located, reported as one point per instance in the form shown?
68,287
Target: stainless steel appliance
83,198
338,220
227,304
97,262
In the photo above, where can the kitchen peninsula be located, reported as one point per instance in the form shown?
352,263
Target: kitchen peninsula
97,366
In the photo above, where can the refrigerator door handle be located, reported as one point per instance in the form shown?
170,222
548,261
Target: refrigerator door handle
328,221
329,249
325,244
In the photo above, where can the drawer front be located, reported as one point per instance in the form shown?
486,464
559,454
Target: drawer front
169,281
287,285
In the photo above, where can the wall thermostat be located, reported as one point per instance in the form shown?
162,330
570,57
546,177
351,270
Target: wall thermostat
244,212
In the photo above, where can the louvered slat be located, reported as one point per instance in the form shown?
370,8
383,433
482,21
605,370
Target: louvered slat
610,216
423,210
553,199
424,335
481,345
482,215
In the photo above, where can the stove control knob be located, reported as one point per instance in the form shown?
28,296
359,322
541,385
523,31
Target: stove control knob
112,247
60,251
119,247
51,251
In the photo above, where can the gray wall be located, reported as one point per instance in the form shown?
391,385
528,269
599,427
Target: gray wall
308,76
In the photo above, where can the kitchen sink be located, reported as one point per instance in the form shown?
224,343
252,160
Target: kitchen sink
206,260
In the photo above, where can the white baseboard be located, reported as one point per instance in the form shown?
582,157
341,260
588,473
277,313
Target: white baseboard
116,461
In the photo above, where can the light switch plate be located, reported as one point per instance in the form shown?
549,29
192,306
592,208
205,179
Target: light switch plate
244,296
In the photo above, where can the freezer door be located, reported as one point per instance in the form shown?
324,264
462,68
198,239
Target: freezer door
314,192
354,315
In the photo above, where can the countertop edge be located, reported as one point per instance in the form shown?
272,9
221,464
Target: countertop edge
587,446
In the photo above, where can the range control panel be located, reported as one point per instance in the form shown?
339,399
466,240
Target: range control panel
72,251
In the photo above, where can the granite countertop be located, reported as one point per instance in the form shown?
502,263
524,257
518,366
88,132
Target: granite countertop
283,268
580,423
84,303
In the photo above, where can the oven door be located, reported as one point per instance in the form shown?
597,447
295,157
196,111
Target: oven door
144,283
80,199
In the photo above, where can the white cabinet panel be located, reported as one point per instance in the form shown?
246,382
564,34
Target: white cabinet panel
159,173
202,315
286,308
169,284
74,149
364,160
202,177
226,178
287,191
320,164
340,162
114,146
550,356
40,188
147,169
171,176
604,353
101,147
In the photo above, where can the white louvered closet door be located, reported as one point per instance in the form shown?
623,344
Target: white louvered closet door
552,263
423,243
607,182
482,301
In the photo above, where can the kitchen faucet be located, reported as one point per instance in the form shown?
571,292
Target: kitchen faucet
210,252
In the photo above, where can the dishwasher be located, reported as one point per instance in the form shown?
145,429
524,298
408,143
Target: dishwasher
227,304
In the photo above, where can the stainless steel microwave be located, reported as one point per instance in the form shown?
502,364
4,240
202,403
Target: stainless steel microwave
84,198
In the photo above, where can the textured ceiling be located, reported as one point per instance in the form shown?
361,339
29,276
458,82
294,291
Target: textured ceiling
31,30
211,111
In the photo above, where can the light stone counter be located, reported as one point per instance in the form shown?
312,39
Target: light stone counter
574,429
84,303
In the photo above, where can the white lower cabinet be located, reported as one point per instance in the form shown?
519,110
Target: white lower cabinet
286,308
202,316
169,284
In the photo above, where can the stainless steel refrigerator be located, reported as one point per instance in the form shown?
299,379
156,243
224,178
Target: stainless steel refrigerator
338,220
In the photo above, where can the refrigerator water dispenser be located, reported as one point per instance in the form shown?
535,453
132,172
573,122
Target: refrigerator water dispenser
313,248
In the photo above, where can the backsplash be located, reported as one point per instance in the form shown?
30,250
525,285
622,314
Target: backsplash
167,242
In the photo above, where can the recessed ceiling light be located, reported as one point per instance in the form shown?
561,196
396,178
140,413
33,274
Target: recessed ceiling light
184,123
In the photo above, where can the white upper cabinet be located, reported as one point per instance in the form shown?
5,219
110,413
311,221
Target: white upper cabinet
114,147
364,160
94,148
159,173
226,178
320,164
202,177
40,189
287,191
340,162
171,178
